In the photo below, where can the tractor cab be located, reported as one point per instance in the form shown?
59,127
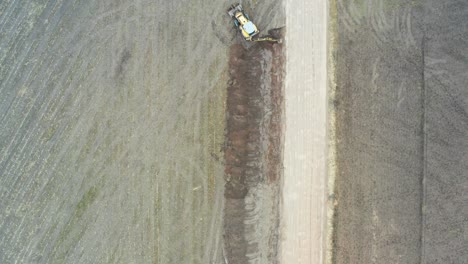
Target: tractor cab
242,21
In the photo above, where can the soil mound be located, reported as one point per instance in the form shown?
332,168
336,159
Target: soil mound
253,151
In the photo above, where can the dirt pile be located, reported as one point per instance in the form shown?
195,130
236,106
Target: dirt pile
253,152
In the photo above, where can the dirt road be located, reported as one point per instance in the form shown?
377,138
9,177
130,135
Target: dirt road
304,190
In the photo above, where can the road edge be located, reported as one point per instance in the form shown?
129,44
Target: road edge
304,190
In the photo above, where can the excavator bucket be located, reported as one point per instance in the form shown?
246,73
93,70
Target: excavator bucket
234,8
270,39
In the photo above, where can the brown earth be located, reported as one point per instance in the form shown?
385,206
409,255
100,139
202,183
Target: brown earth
400,103
253,151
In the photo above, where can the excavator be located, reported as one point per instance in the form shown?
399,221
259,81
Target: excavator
248,29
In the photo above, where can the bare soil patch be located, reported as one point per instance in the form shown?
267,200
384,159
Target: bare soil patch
253,151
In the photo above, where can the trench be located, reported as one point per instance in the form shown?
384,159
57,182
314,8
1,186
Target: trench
253,152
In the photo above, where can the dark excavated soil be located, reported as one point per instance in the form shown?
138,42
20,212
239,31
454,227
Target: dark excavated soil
253,152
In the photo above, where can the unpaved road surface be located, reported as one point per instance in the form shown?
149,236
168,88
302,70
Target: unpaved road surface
304,190
400,105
